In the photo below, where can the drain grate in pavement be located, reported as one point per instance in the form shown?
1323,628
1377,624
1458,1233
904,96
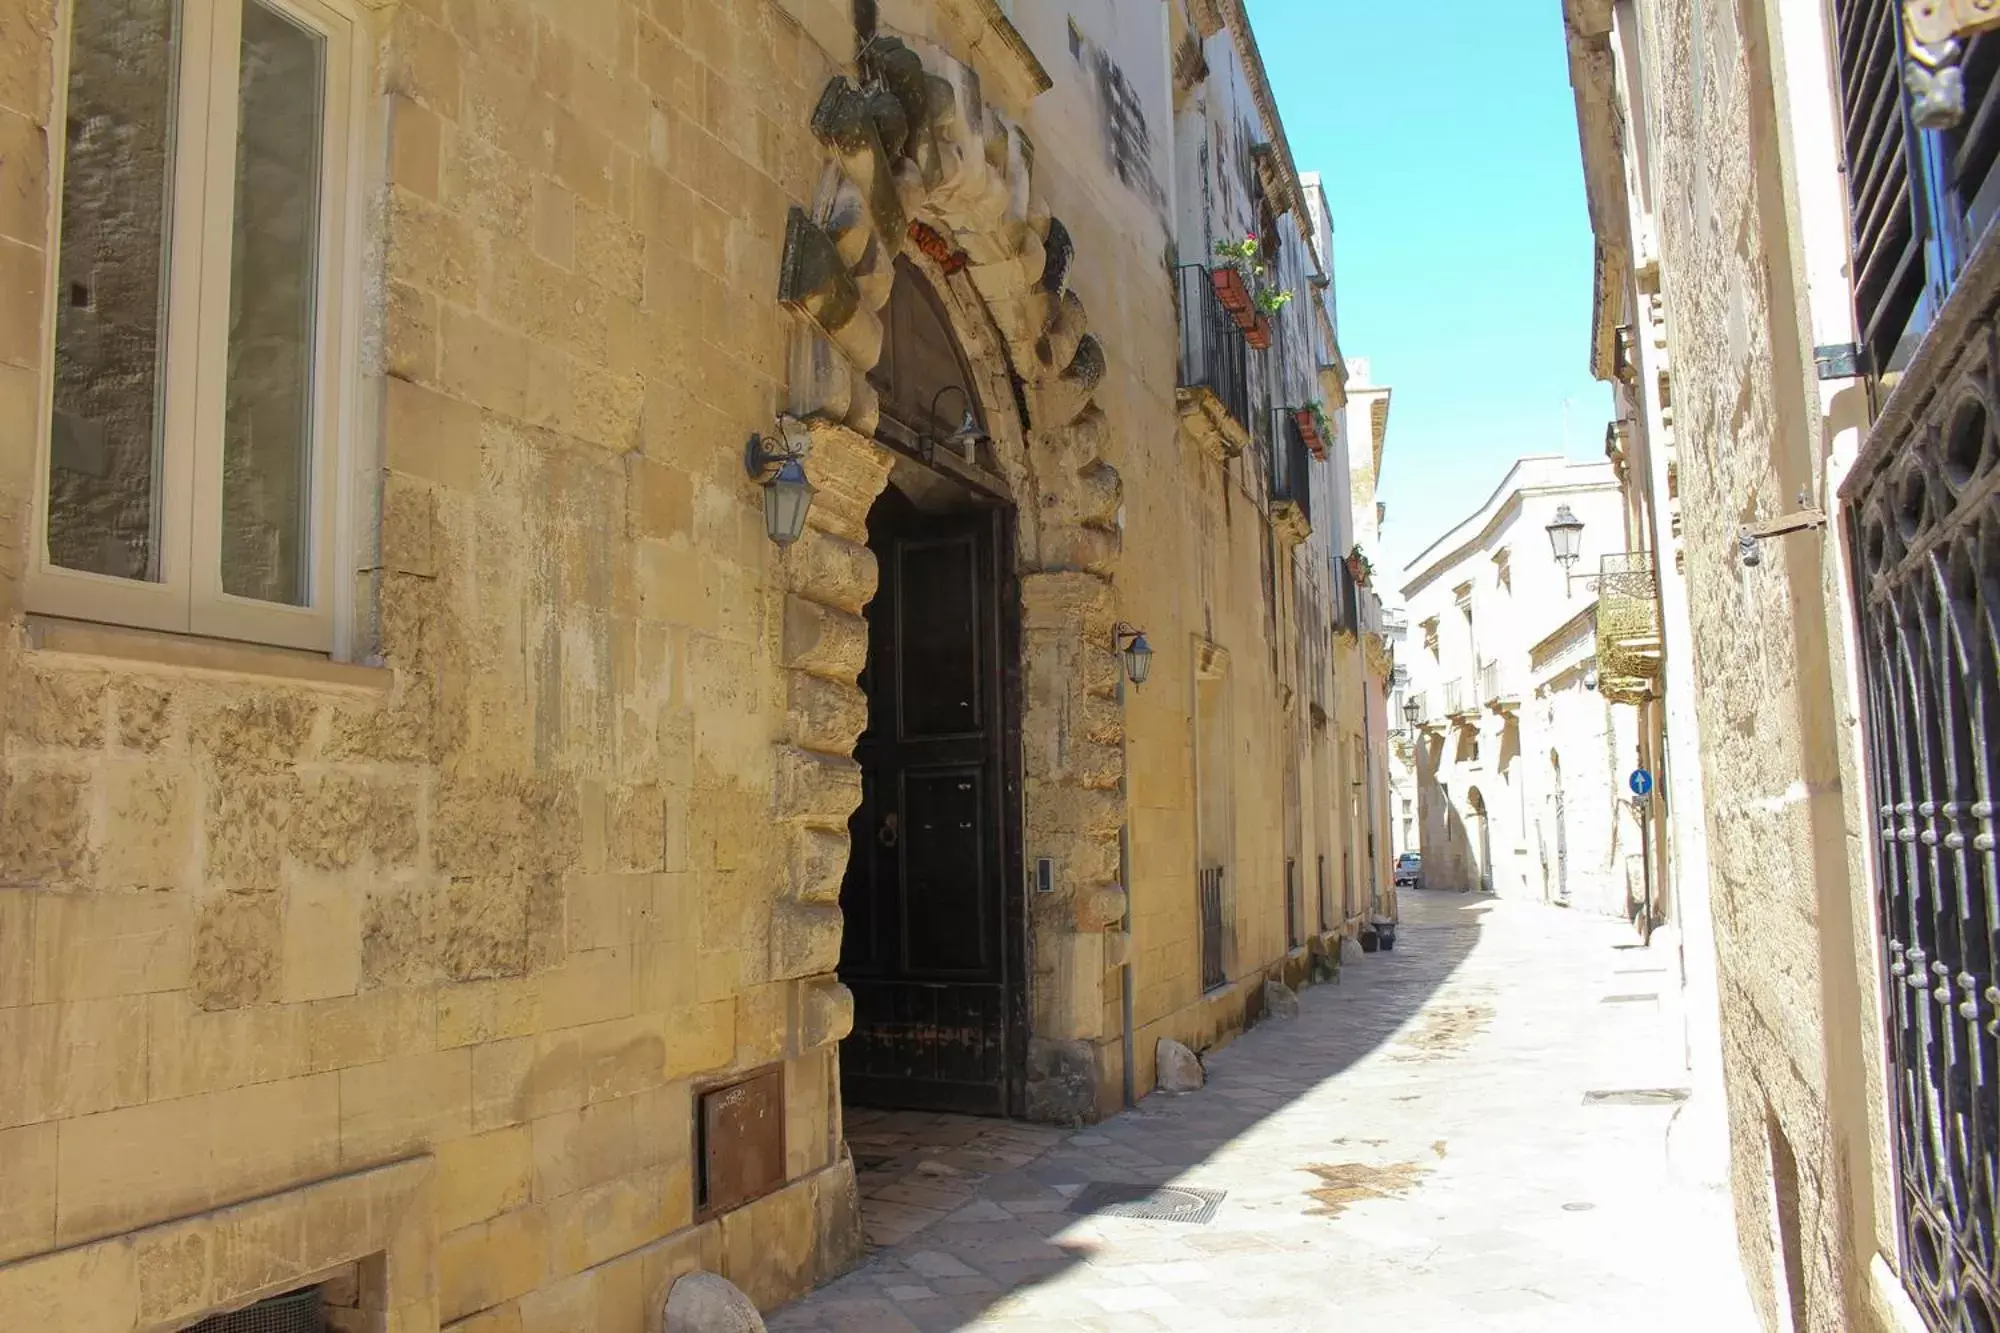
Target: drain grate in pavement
1629,999
1155,1203
1635,1096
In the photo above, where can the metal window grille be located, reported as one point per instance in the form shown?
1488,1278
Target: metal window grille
294,1312
1291,903
1924,528
1213,971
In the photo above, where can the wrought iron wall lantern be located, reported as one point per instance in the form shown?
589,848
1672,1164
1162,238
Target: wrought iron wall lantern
964,441
779,467
1133,651
1413,713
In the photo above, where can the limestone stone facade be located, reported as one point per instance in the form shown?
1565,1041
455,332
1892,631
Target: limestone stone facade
1759,417
427,970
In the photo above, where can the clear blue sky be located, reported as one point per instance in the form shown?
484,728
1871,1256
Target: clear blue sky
1462,248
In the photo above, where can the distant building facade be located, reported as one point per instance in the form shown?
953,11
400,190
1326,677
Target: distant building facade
1516,750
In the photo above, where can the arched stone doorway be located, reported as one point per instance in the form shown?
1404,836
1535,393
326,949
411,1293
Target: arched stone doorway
933,948
1482,841
925,173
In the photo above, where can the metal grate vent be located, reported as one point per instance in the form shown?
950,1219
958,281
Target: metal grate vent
294,1312
1154,1203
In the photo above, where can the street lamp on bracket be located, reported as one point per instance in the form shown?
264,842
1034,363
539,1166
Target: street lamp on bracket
1566,543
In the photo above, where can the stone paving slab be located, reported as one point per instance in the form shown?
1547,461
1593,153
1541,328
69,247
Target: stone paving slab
1414,1153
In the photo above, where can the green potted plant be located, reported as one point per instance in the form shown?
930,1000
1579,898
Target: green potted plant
1359,566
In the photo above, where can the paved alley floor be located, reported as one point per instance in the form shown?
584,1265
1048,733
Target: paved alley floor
1427,1149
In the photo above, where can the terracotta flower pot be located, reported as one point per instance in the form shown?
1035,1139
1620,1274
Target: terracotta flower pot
1258,334
1233,292
1309,432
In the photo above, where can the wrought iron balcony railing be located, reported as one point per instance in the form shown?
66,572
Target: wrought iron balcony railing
1459,700
1628,627
1291,478
1346,599
1214,376
1496,687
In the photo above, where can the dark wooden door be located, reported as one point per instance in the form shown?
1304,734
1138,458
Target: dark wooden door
927,950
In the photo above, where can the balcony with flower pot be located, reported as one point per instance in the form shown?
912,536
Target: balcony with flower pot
1314,428
1214,389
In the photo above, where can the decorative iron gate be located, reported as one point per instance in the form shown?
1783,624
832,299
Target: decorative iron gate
1924,524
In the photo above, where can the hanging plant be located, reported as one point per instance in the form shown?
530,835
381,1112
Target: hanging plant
1271,300
1321,420
1245,256
1359,566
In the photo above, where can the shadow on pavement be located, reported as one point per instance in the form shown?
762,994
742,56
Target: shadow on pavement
976,1210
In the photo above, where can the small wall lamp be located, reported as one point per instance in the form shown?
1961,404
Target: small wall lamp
1133,651
1413,712
968,437
778,466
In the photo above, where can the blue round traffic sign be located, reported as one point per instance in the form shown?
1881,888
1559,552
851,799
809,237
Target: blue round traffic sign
1642,782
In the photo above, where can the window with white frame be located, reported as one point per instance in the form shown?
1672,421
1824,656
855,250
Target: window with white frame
189,471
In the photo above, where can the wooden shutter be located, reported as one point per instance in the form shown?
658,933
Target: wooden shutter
1888,272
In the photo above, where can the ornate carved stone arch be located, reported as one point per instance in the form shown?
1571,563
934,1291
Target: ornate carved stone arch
914,141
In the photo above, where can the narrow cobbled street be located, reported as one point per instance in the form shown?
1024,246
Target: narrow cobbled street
1469,1133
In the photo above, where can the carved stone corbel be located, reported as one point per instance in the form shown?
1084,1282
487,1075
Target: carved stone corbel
1933,21
1934,32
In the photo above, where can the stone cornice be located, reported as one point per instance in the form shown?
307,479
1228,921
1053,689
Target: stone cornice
1237,20
1002,27
1600,126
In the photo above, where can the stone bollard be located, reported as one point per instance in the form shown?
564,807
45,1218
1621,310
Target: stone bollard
1179,1069
709,1303
1280,1000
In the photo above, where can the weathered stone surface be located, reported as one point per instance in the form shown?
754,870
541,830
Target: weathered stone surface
826,1014
1102,906
709,1303
1062,1080
805,939
1179,1068
1280,1001
238,949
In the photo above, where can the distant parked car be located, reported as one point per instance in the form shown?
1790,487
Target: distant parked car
1410,870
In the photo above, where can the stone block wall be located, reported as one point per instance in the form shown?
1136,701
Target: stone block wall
496,893
447,933
1801,1048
